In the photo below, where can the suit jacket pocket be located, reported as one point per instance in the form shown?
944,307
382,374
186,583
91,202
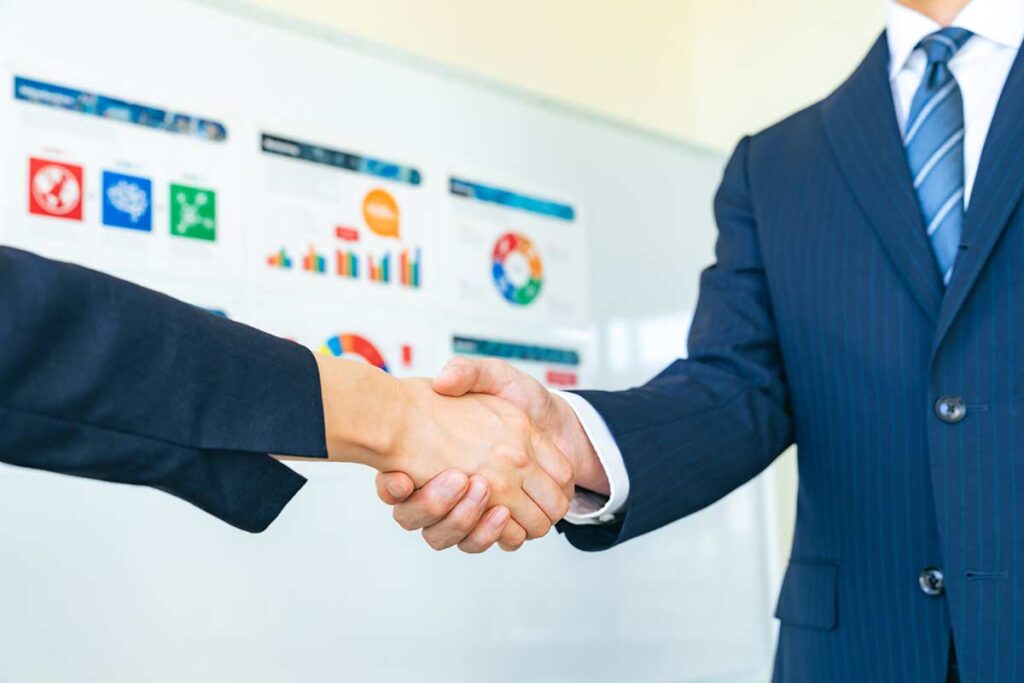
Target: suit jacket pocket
808,598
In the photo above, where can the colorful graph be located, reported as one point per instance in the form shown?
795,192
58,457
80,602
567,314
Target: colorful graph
379,268
409,268
518,271
354,345
280,260
313,262
347,264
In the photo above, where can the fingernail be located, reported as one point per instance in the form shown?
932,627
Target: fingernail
477,491
395,489
499,518
451,486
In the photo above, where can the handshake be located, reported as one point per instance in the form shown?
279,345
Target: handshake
482,454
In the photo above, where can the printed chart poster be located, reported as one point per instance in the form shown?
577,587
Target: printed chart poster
339,224
402,344
121,185
558,358
516,255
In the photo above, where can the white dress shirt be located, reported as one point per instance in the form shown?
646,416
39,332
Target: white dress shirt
980,68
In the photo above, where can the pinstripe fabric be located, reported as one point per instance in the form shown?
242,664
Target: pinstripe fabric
825,322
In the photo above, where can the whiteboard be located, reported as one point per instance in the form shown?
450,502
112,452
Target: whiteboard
361,203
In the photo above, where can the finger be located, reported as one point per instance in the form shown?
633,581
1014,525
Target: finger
512,538
481,375
555,464
433,502
488,531
525,511
394,487
546,494
461,520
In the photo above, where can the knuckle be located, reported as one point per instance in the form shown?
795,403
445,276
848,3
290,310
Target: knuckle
565,477
472,547
403,519
513,538
434,540
502,488
433,507
538,529
511,546
516,458
460,523
503,372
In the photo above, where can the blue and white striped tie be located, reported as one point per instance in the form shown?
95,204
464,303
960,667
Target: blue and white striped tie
934,141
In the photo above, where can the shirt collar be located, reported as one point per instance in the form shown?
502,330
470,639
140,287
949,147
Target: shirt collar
1000,21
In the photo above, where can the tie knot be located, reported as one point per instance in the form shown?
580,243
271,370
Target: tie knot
942,45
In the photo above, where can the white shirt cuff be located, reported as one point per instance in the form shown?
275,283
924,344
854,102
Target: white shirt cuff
588,507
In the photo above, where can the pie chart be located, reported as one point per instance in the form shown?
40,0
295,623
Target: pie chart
517,269
354,346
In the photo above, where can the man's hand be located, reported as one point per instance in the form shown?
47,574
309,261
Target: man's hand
405,426
461,519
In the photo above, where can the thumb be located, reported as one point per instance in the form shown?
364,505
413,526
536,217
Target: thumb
394,487
479,376
456,378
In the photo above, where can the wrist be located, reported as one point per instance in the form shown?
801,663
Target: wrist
361,410
575,444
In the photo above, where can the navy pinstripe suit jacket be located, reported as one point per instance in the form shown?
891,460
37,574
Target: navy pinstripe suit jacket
825,322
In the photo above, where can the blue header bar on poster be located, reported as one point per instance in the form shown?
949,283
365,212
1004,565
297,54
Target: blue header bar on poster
317,154
470,346
113,109
515,200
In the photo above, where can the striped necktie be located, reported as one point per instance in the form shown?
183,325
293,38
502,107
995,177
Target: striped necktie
934,141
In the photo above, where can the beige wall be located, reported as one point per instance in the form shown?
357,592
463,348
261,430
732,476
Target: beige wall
706,71
755,61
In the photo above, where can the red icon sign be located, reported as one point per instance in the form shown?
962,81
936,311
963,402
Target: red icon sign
558,378
343,232
54,189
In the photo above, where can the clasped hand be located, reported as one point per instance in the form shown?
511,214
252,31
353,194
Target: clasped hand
453,509
491,442
469,468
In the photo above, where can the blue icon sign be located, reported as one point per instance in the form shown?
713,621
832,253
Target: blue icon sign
127,201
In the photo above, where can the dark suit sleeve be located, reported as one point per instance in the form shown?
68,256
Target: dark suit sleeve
711,422
103,379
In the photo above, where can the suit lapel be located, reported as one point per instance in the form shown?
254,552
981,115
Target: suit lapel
997,190
860,123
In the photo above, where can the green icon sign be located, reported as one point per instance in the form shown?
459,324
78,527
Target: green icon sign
193,212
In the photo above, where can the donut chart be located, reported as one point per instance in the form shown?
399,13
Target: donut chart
354,345
512,246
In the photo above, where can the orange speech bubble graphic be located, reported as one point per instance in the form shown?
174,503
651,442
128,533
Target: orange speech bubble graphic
381,213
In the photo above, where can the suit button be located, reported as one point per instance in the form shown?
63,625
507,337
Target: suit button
951,409
931,581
